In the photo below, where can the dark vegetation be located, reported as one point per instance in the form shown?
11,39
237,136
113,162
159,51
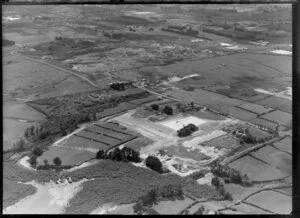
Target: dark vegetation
220,187
168,110
125,154
167,192
124,183
6,42
184,30
154,164
187,130
155,107
230,175
246,136
200,211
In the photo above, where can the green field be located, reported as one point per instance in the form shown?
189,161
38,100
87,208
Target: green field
279,117
273,201
284,145
68,156
256,169
274,157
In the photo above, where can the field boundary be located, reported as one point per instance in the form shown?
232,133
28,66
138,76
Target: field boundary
98,133
228,160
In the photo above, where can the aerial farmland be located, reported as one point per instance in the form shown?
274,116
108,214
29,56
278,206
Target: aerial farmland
147,109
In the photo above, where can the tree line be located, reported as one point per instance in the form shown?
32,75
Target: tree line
231,175
166,192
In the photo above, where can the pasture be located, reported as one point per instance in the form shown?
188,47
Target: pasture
272,201
284,145
256,169
279,117
172,207
68,156
282,104
255,108
274,157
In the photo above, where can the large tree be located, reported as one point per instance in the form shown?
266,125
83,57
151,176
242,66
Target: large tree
168,110
154,163
57,161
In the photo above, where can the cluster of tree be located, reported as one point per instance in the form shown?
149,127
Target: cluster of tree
155,107
187,107
187,130
154,164
168,110
231,175
70,123
181,30
170,191
268,129
56,163
125,154
112,35
246,137
118,86
200,211
220,188
197,175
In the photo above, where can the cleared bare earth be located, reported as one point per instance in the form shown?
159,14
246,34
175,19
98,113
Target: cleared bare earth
272,201
226,141
14,191
184,152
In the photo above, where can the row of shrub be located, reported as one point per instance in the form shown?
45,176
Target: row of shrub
167,109
187,130
125,154
170,192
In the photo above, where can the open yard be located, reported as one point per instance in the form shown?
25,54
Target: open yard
225,141
178,123
256,169
183,152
